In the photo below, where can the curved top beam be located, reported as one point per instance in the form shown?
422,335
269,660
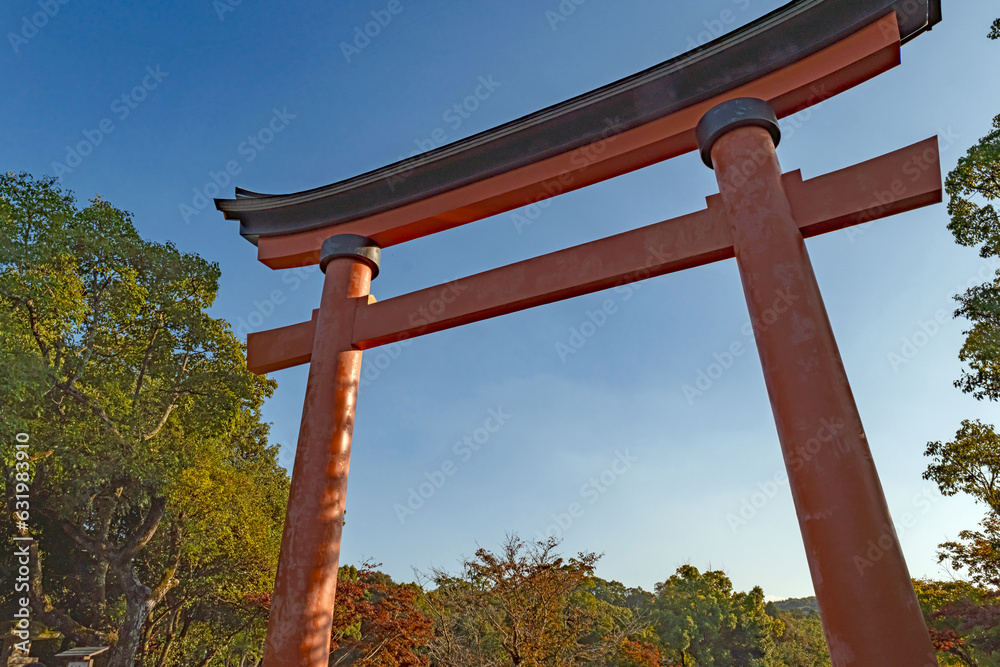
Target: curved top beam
794,57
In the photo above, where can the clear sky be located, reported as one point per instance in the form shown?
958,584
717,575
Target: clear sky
165,94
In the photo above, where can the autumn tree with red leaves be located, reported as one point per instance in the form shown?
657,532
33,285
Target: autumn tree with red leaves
527,606
376,622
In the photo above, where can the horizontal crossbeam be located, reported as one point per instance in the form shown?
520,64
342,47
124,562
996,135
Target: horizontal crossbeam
900,181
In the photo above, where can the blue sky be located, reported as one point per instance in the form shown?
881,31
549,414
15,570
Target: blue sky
168,93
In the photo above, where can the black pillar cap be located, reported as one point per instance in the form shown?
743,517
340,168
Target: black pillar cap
351,245
731,114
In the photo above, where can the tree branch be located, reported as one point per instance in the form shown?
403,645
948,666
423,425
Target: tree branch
150,523
107,512
163,421
99,547
145,364
169,579
32,322
219,645
88,347
84,400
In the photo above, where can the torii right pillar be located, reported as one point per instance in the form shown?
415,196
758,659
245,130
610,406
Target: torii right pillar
869,610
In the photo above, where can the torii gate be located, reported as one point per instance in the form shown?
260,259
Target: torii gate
724,99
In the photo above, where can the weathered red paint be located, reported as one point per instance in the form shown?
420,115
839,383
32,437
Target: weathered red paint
298,631
870,612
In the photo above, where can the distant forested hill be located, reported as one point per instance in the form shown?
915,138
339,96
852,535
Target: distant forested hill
798,604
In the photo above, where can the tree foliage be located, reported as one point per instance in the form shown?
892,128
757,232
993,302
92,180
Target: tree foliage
156,501
963,622
801,643
376,622
526,605
963,617
969,464
702,622
972,187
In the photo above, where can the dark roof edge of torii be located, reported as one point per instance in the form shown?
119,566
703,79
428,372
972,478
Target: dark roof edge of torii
777,40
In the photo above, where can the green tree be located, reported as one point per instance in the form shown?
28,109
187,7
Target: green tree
701,622
802,644
972,187
234,504
151,474
969,464
963,627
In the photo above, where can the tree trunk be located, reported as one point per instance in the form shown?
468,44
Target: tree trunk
139,603
99,595
140,600
100,591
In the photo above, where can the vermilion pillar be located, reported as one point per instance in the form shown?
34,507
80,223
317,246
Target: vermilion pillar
869,610
298,630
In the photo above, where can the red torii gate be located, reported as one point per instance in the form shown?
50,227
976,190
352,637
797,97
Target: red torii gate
760,216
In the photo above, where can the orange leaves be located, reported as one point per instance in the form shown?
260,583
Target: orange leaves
376,622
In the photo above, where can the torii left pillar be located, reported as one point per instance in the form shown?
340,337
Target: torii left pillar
298,630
